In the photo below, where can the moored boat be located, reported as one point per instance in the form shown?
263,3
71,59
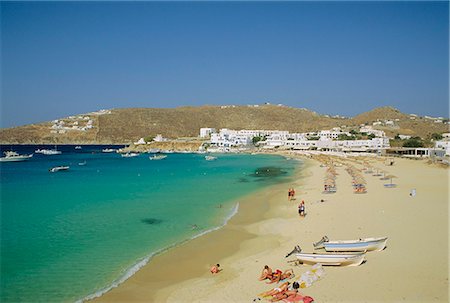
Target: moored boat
108,150
210,158
366,244
157,157
48,152
58,168
130,155
11,156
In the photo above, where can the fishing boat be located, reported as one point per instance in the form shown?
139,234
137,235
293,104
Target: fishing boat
58,168
331,259
12,156
210,158
157,157
130,155
367,244
108,150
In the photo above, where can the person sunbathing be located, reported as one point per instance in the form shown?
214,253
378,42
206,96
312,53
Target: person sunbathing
276,291
278,275
266,273
288,293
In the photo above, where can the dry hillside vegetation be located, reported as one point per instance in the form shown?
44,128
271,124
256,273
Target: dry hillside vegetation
128,125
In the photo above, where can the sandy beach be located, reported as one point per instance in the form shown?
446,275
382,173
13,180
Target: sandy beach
413,267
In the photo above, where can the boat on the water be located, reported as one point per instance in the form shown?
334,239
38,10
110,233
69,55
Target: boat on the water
130,155
58,168
48,152
82,163
210,158
12,156
157,157
367,244
108,150
77,147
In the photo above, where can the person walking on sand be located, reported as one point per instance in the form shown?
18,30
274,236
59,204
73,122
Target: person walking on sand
301,209
215,269
293,194
289,194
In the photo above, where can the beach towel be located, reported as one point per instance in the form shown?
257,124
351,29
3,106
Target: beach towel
307,299
294,299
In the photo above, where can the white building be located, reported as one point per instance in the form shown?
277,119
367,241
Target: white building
205,132
445,145
159,138
140,141
371,131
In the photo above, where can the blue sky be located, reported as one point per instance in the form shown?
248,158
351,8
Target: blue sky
64,58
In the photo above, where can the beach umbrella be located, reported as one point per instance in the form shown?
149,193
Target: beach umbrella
390,177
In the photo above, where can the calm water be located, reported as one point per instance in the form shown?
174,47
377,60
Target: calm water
67,235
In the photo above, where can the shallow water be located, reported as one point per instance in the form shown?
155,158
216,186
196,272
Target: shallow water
69,234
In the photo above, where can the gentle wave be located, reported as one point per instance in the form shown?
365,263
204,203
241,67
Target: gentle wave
135,268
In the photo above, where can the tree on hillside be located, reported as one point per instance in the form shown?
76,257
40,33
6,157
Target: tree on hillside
436,136
413,142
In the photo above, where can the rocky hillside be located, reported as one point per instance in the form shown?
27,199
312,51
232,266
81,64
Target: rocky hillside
128,125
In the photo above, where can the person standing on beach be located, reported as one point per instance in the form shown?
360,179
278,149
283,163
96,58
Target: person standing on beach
301,209
293,194
289,194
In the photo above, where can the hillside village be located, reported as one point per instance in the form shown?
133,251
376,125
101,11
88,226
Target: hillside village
297,128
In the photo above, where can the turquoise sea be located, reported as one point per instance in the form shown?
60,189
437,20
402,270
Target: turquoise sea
74,234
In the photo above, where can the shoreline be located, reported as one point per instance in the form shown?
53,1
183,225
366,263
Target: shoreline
231,230
246,244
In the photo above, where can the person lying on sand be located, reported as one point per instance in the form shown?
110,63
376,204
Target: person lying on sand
266,273
276,291
215,269
278,275
287,293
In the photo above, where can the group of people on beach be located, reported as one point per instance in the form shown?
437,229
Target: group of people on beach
286,290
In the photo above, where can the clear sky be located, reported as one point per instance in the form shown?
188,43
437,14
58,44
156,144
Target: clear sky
64,58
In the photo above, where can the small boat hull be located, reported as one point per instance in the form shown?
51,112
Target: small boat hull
367,244
331,259
16,158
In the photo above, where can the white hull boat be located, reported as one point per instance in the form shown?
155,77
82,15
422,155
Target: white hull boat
58,168
367,244
331,259
130,155
48,152
108,150
157,157
210,158
11,156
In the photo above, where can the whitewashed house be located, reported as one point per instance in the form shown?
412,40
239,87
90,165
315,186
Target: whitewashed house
205,132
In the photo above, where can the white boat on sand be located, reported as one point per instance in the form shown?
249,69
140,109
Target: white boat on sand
329,259
11,156
58,168
367,244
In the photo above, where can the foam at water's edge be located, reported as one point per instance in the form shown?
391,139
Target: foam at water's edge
135,268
